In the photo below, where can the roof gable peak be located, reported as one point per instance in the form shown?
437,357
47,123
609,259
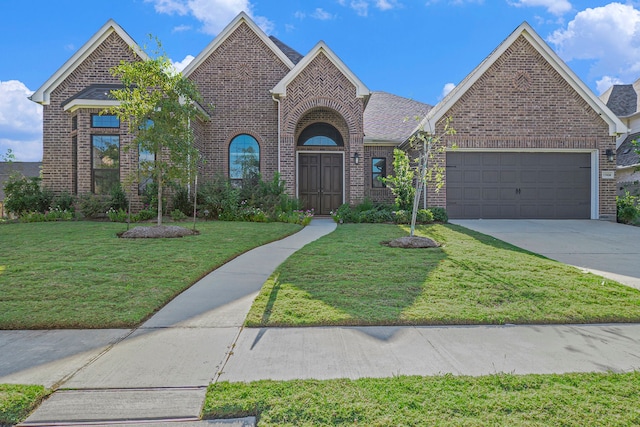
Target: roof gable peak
241,18
321,48
42,95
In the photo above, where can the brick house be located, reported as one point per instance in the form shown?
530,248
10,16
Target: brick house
532,137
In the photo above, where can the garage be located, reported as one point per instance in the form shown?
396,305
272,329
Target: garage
518,185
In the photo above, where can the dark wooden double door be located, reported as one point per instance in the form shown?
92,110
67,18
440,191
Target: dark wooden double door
320,181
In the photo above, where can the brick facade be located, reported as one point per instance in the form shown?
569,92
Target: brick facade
522,103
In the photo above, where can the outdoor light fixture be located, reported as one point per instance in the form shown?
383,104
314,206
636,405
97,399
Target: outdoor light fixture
356,158
609,154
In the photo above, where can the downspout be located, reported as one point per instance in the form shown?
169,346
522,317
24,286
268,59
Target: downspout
277,100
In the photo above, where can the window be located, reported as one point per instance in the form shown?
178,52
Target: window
320,134
104,121
145,164
244,158
74,163
74,123
105,157
378,170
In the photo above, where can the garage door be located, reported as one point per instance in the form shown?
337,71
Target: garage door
519,185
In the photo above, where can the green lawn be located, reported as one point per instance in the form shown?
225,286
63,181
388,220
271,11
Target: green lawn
80,275
349,278
594,399
17,402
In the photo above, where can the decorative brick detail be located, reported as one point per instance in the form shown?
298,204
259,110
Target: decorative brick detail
536,109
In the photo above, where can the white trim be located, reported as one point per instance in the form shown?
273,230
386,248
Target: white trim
76,104
225,33
616,127
42,95
595,171
281,88
344,170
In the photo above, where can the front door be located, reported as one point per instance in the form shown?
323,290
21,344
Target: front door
320,180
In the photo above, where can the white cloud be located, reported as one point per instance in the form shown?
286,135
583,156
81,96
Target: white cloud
181,28
360,6
446,89
24,150
608,35
387,4
179,66
321,14
556,7
214,14
298,14
20,122
606,82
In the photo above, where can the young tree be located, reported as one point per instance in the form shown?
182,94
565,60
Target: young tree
159,104
401,184
428,170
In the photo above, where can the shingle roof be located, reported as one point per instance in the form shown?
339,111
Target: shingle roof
390,117
623,100
290,52
97,92
626,154
28,169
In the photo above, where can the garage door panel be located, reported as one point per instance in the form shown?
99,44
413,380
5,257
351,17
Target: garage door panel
519,185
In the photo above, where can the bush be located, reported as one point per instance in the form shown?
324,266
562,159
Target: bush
119,215
627,208
64,201
119,199
219,200
54,214
439,214
24,195
424,216
182,201
144,215
92,205
178,215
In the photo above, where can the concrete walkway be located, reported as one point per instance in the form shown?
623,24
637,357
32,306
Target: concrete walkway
160,371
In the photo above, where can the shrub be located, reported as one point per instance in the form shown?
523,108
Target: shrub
54,214
92,205
439,214
64,201
119,215
178,215
24,195
118,199
424,216
219,200
627,208
402,217
144,215
182,201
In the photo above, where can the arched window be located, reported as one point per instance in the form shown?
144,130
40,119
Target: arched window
244,158
320,134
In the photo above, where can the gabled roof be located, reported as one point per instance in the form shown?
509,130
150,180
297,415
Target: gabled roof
321,48
291,53
41,96
623,100
616,127
626,155
98,95
391,118
225,33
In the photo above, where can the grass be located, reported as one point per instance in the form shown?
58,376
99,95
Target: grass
17,402
80,275
349,278
496,400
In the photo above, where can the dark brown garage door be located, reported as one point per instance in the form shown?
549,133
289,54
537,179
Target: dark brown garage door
519,185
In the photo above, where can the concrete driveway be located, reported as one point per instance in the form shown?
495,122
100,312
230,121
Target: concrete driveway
605,248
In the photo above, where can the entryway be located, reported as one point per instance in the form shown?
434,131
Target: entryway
320,181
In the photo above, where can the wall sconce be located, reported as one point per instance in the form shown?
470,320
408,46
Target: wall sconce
356,158
609,154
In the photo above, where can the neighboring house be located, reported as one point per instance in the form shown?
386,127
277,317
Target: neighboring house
28,169
624,101
532,137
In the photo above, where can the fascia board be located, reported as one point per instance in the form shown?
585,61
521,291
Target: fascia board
281,88
42,95
77,104
616,126
225,33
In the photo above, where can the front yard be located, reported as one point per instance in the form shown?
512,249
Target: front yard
349,278
80,275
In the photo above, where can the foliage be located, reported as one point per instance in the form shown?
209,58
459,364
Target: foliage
119,199
70,275
177,215
64,201
144,215
628,208
18,401
23,194
570,400
119,215
160,103
92,205
9,157
218,199
401,184
349,278
55,214
182,201
439,214
368,212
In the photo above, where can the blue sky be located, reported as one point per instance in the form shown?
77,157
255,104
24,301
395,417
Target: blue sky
418,49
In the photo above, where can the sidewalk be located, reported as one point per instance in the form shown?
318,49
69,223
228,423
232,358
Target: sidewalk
160,371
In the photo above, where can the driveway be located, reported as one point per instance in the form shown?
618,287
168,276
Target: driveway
605,248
